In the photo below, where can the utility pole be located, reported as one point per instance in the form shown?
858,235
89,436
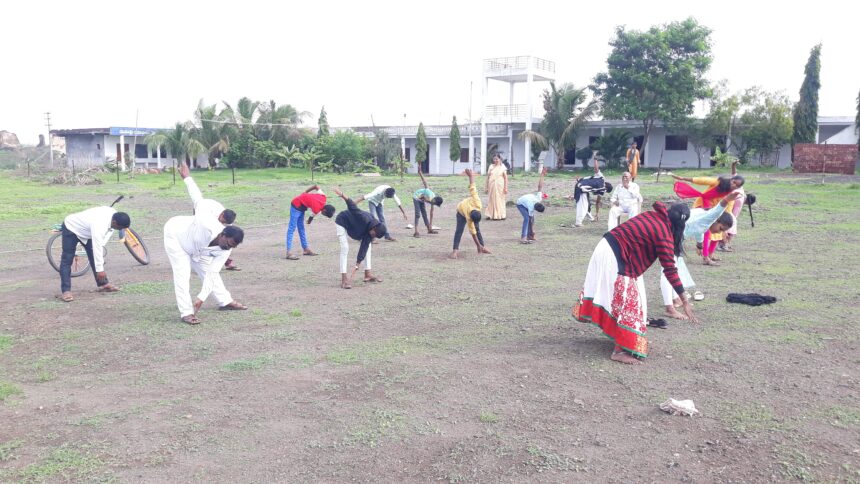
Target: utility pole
50,138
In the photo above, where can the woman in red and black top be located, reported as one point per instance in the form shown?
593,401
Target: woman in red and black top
613,296
307,200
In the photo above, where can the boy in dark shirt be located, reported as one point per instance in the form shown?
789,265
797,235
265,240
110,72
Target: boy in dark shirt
358,225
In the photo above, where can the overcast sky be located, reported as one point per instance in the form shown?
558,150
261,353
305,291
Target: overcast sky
97,63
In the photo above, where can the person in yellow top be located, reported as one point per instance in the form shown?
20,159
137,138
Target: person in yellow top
633,161
717,189
469,213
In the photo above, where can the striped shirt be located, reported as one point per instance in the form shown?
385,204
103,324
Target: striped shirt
644,239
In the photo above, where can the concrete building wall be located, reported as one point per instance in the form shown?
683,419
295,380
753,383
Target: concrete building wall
85,151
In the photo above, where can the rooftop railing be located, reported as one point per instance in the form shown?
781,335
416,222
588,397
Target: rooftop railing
518,62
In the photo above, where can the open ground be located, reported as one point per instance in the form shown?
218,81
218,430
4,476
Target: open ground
460,371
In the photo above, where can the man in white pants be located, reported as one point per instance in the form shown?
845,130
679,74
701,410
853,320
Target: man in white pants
202,243
625,199
208,206
358,225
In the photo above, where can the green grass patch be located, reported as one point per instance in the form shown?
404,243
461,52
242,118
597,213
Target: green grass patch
843,416
488,417
7,449
5,342
64,463
160,288
7,390
250,364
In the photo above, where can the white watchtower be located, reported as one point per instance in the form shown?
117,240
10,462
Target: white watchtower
512,70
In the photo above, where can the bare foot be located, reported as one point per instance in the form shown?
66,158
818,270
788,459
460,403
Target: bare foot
391,239
453,255
371,278
309,252
624,357
674,313
485,250
107,288
416,235
715,259
432,231
709,262
345,282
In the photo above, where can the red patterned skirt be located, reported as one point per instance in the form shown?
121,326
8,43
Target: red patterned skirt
614,302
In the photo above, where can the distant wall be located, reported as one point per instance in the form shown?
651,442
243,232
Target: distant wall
812,158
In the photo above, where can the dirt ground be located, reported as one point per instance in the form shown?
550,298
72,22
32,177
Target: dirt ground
461,371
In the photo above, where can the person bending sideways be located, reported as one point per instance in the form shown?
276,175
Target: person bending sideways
208,207
469,213
314,199
528,204
375,199
712,221
420,199
201,243
358,225
92,228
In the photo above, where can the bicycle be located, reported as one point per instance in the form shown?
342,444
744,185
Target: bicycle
81,263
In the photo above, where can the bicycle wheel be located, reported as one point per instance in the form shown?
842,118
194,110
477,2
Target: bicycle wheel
136,247
54,251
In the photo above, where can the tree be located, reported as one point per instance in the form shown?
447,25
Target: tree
421,146
345,150
454,138
566,110
764,126
612,146
179,142
857,122
701,134
323,124
278,123
806,111
655,75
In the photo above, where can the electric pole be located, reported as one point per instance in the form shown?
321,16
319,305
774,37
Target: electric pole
50,138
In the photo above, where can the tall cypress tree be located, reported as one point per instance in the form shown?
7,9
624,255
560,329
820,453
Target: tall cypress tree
454,137
806,111
857,122
323,124
421,145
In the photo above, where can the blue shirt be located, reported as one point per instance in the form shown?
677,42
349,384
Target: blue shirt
700,220
428,194
529,200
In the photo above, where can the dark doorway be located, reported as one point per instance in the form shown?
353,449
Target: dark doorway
120,153
570,157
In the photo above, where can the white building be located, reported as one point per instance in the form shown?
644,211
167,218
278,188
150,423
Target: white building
88,147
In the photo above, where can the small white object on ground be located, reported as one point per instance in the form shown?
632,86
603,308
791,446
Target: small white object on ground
679,407
410,226
698,296
435,227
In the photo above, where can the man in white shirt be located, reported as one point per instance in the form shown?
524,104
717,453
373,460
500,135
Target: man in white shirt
208,206
200,242
92,228
375,200
625,199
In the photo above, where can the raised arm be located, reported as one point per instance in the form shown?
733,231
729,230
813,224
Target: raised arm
310,189
423,181
540,180
682,178
193,190
595,163
734,167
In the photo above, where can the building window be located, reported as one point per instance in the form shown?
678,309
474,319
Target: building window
464,155
98,146
592,140
155,154
676,143
140,151
408,153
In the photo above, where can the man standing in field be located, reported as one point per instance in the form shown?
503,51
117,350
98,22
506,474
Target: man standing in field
375,199
92,228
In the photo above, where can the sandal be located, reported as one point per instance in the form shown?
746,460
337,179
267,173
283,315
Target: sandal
233,306
107,288
310,253
657,323
190,319
66,297
292,257
232,268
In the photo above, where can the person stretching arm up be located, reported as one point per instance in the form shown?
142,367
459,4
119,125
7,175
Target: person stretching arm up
420,198
469,213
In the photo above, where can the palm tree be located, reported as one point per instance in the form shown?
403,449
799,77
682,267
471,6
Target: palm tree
212,133
279,123
567,110
180,142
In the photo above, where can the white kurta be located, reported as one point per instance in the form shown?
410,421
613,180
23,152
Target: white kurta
629,201
93,224
205,205
186,241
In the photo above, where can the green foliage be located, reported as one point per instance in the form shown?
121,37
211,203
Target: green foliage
454,136
384,149
180,142
612,147
343,150
656,74
323,129
584,154
764,127
806,111
566,111
241,153
421,145
723,159
7,390
701,134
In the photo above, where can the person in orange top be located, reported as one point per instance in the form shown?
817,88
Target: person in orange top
718,188
469,213
633,161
